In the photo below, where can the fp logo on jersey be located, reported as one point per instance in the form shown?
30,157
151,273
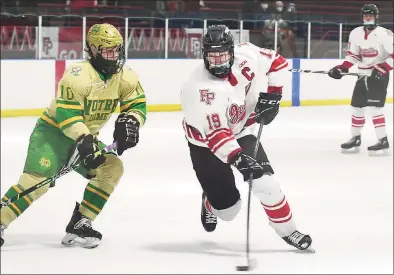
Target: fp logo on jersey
207,96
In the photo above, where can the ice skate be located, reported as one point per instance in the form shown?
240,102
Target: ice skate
208,220
352,146
80,232
380,149
299,240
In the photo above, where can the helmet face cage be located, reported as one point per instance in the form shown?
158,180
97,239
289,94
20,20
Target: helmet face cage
371,9
107,62
218,50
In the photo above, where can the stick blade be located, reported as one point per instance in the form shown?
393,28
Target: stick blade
246,265
242,268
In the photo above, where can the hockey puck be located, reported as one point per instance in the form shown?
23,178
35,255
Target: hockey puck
242,268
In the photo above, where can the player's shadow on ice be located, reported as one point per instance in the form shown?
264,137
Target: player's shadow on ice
204,247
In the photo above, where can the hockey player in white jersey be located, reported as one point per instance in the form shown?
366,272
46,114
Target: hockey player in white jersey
235,87
371,47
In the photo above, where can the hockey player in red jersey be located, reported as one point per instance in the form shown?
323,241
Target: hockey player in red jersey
371,47
235,87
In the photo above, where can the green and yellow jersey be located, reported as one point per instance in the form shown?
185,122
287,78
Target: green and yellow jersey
86,100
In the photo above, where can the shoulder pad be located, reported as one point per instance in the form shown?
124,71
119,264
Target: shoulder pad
129,74
78,68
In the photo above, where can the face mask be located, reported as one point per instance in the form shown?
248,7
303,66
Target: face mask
264,6
279,9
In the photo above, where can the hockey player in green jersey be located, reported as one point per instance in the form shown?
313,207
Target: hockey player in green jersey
87,95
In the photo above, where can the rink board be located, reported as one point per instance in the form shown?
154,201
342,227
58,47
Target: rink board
28,86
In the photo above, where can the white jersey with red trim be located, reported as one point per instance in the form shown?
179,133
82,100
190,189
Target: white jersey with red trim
217,111
369,50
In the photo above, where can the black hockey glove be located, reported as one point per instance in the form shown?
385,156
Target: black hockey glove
89,152
246,165
126,132
379,72
267,107
337,72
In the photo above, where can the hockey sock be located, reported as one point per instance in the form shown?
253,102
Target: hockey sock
94,199
101,186
358,121
268,191
15,209
379,121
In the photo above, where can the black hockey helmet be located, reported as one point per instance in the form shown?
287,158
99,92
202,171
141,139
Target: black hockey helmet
370,9
218,50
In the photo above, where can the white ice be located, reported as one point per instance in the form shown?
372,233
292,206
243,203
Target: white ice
151,224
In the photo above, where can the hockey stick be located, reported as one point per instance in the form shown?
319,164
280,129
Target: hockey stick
247,266
320,72
72,164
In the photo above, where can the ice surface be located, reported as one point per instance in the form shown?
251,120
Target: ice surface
151,223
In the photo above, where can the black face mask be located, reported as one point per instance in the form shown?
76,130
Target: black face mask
106,66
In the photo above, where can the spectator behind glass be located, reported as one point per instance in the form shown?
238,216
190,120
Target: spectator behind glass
161,7
269,32
289,15
264,7
278,7
202,5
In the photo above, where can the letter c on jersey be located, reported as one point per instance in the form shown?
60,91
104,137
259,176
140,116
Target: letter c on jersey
246,72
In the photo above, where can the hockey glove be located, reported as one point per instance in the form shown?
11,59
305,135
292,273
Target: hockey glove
337,72
380,71
126,132
246,165
89,152
267,107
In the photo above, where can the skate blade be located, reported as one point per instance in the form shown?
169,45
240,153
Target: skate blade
379,153
71,240
310,250
353,150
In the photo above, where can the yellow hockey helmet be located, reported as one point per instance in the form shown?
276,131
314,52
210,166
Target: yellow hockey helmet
105,47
